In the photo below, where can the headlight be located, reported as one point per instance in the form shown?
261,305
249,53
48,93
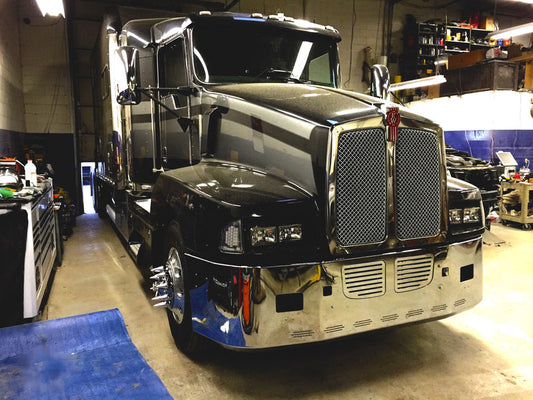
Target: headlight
469,215
275,234
456,216
289,233
262,236
231,238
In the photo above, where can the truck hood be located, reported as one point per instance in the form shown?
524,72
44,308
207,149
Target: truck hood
235,185
322,105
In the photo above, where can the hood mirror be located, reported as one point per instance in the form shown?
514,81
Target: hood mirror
130,95
380,81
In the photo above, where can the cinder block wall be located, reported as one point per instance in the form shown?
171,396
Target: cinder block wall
11,94
45,69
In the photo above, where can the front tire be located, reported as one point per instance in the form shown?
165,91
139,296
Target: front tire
179,307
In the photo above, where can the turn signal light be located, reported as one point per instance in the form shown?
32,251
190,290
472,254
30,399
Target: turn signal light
231,240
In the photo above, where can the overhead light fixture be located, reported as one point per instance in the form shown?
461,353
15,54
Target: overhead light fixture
51,7
416,83
524,1
510,32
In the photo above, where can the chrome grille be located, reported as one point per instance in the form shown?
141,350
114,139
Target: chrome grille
363,280
361,187
418,186
413,272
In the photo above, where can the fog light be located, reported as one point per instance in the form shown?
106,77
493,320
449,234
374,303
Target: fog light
231,240
471,215
456,216
263,236
289,233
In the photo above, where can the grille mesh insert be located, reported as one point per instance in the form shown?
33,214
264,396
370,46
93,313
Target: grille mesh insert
413,273
363,280
361,187
418,189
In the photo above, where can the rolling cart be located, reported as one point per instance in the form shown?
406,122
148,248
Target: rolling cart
522,217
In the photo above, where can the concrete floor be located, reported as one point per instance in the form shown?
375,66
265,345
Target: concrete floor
484,353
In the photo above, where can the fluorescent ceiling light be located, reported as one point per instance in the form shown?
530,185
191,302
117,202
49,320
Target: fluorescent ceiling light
525,1
51,7
514,31
415,83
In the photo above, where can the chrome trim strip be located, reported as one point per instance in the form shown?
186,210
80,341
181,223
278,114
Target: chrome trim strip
305,264
440,248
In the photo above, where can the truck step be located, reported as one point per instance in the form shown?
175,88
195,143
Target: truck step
135,247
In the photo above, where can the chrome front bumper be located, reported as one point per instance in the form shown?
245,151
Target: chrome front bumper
282,306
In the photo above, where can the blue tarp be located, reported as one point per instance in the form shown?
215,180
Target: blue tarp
88,356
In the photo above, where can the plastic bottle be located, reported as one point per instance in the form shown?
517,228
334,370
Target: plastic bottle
30,173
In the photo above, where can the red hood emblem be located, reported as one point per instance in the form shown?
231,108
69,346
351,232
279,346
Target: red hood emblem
393,120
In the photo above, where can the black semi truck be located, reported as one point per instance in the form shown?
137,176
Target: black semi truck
272,207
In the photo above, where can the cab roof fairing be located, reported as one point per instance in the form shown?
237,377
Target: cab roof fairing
137,32
167,30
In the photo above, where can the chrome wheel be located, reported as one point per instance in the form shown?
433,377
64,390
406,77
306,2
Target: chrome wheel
174,269
169,285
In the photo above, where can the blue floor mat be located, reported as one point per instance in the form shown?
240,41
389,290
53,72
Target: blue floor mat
88,356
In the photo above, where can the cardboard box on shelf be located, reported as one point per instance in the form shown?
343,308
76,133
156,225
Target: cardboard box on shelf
465,59
486,23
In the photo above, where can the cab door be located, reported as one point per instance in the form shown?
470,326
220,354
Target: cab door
174,126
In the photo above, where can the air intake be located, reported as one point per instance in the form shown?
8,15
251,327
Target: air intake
363,280
413,273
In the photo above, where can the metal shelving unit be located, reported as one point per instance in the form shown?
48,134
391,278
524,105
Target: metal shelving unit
461,40
430,44
435,40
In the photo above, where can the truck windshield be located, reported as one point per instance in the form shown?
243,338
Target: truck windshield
256,52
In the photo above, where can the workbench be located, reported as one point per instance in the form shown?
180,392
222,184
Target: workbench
29,243
521,216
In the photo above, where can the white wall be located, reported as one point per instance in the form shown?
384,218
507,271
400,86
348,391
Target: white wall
492,110
45,68
11,98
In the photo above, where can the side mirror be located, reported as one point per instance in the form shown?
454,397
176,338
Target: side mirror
380,81
130,95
